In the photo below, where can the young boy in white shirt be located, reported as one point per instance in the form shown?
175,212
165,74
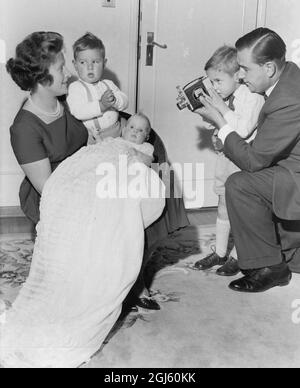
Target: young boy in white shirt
92,100
240,108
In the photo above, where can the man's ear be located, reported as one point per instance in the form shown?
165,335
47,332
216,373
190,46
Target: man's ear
74,64
105,61
270,68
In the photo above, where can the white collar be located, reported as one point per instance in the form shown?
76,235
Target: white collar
270,90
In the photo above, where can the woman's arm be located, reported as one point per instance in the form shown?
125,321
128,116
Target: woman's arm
38,173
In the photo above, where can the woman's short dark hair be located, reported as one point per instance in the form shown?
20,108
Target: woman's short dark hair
34,55
88,41
266,44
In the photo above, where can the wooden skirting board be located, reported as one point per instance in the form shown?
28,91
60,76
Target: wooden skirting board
13,220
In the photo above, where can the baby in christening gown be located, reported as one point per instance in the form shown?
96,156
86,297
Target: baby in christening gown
87,255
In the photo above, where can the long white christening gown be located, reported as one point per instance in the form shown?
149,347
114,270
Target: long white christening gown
87,255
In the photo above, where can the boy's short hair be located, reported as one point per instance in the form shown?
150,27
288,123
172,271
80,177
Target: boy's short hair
88,41
224,59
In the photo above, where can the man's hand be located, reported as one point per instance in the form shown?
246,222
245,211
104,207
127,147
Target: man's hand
210,113
217,143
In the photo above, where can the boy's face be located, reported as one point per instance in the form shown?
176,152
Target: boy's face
136,130
223,83
89,65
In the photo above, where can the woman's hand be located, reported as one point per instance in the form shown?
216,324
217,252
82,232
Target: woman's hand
210,113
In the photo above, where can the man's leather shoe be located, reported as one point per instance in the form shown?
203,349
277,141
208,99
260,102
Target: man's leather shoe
263,279
230,268
210,261
147,303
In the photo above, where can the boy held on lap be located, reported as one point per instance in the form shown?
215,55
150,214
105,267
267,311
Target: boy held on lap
240,108
92,99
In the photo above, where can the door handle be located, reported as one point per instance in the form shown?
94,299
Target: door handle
149,49
162,46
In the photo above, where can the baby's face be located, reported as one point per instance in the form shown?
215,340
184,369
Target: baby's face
223,83
136,130
89,65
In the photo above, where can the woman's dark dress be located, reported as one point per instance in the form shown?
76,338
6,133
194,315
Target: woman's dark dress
33,140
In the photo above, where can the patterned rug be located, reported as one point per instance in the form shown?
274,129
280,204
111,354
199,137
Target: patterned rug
178,252
202,323
15,260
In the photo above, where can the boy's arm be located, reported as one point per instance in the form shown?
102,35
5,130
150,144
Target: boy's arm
244,119
79,105
121,98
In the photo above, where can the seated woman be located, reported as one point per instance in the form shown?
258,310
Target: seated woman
44,133
88,252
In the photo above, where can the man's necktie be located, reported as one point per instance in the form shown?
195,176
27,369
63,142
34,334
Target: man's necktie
230,102
265,96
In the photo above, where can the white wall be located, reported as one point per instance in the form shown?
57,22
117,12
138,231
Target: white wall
72,18
283,17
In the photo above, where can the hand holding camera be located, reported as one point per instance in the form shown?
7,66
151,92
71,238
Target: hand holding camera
200,97
217,101
189,95
210,113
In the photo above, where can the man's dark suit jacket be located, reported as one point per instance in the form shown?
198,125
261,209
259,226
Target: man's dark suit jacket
277,143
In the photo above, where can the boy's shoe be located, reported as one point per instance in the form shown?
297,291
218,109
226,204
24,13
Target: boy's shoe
147,303
210,261
230,268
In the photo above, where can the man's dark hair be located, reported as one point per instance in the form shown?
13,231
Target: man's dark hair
266,44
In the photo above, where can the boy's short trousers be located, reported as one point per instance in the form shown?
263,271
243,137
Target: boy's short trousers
224,168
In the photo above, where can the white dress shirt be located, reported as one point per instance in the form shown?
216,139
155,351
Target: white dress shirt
244,119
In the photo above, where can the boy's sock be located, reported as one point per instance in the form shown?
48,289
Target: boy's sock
222,235
233,253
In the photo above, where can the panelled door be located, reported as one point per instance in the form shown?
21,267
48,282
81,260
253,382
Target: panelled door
177,38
